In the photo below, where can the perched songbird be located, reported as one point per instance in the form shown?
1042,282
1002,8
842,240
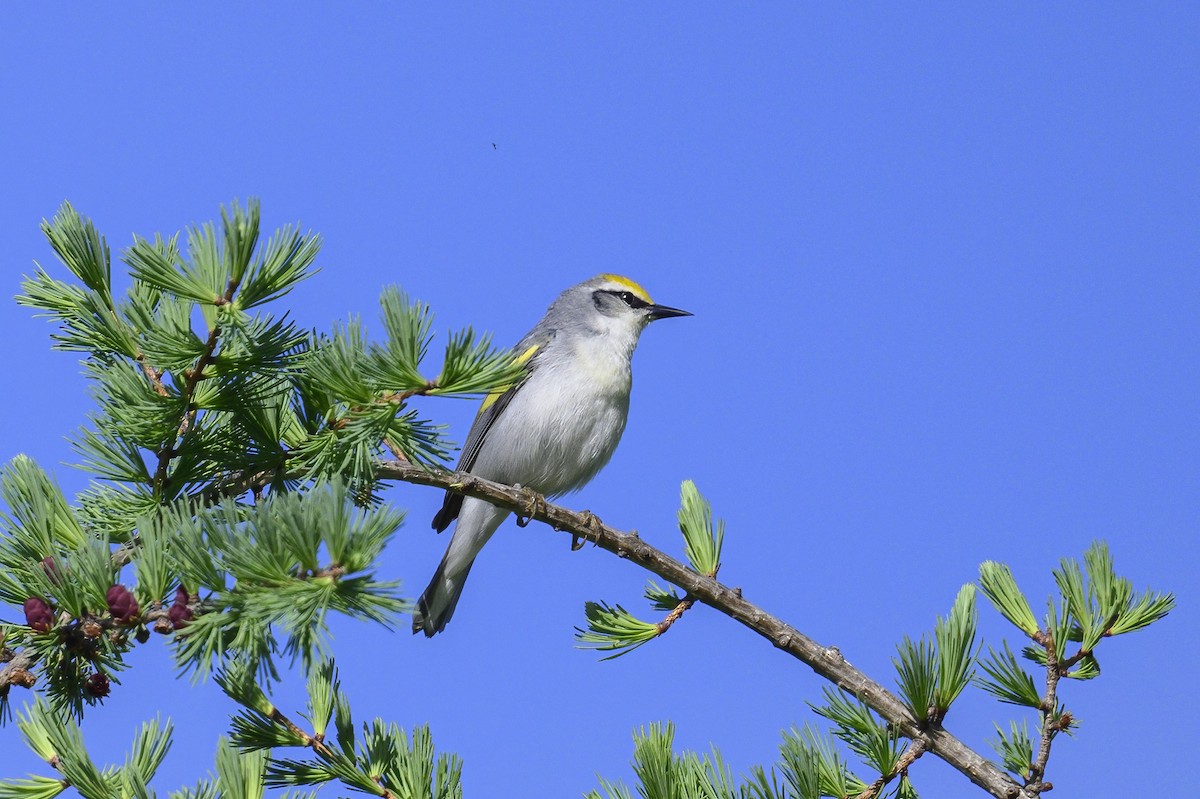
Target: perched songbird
552,431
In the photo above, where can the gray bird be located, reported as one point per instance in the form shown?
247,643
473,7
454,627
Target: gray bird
551,432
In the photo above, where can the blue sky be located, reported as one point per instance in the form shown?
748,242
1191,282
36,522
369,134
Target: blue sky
943,262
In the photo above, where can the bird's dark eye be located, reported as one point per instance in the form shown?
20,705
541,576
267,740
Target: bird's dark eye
630,299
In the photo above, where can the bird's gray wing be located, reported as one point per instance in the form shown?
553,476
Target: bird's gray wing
528,351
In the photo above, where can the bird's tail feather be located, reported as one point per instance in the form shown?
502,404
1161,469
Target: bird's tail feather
476,523
436,605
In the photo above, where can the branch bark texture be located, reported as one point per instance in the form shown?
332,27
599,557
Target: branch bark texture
825,661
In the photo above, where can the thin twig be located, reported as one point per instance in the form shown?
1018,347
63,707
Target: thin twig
915,749
192,378
394,448
318,745
236,485
152,374
397,397
1051,725
676,612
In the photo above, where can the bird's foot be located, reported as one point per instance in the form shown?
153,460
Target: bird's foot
534,502
594,528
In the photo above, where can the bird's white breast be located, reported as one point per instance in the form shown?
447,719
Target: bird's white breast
564,423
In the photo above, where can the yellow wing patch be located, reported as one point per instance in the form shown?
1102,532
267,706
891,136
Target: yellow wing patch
630,285
520,360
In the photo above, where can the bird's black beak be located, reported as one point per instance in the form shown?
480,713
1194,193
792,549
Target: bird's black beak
665,312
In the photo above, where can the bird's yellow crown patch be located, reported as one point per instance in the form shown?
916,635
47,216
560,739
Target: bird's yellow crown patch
630,285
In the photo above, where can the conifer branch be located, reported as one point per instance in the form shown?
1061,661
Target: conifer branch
1053,722
314,742
676,613
398,397
825,661
152,374
192,379
79,633
327,755
684,605
17,671
914,751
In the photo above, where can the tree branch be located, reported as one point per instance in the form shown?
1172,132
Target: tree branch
18,666
17,671
1052,723
192,379
825,661
152,374
676,613
317,744
910,756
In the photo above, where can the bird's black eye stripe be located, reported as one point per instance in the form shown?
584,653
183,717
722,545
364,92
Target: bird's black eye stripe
627,297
